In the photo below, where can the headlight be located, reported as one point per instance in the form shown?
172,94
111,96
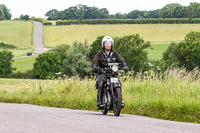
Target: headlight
115,68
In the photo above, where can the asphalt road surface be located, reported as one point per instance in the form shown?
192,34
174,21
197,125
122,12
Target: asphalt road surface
38,40
25,118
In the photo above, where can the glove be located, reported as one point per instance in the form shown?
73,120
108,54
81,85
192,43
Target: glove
98,70
125,69
101,71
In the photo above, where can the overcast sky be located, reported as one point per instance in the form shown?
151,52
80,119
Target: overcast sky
39,8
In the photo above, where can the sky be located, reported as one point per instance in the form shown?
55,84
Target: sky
38,8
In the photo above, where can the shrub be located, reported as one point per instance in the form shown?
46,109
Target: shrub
6,68
185,53
47,65
76,62
47,23
23,75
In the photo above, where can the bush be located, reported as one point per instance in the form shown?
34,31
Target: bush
23,75
132,49
47,23
76,62
6,68
61,49
185,53
47,65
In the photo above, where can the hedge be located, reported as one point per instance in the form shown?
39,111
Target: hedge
131,21
7,46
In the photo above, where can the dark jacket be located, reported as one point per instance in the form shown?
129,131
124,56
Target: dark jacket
101,59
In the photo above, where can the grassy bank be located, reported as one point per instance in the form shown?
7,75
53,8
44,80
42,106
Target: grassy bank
17,33
175,98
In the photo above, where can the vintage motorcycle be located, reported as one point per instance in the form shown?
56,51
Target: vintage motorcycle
112,97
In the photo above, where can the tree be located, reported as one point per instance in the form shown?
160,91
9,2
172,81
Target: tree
4,13
120,16
51,14
47,65
154,13
24,17
137,14
193,10
95,47
61,49
185,53
6,68
76,62
169,11
132,49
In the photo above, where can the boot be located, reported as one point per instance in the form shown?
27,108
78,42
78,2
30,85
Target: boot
99,99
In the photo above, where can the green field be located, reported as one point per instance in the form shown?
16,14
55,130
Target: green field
24,64
160,36
18,33
155,33
157,51
174,98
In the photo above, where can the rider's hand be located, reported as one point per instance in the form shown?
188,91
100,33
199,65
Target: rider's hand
126,69
101,71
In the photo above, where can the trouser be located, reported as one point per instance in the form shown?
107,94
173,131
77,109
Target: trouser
100,85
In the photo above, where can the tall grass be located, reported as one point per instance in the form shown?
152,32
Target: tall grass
173,95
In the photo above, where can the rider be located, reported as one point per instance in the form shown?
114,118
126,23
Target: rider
101,60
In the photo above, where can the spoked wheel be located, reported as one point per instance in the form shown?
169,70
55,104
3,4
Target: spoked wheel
105,101
117,101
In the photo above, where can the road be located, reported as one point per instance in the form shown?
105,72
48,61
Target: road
25,118
39,37
38,40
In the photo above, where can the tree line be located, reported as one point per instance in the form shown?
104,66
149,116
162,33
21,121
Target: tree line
81,12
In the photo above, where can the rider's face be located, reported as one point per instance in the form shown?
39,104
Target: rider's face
107,45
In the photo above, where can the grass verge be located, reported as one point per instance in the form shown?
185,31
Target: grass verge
174,98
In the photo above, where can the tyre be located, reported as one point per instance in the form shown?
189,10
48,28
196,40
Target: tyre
117,100
105,101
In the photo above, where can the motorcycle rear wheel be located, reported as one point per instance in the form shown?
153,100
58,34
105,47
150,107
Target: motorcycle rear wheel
117,101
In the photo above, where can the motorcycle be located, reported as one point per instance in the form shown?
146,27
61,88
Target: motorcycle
112,97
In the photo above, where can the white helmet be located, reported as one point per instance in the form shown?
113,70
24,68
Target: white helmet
107,39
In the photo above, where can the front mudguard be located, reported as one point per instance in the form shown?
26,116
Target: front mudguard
117,85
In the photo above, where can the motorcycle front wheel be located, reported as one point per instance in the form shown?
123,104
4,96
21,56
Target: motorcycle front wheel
117,101
105,101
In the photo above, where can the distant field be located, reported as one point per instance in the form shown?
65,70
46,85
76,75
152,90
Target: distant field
24,64
17,33
157,51
156,33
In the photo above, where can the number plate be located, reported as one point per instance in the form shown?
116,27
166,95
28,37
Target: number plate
114,80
